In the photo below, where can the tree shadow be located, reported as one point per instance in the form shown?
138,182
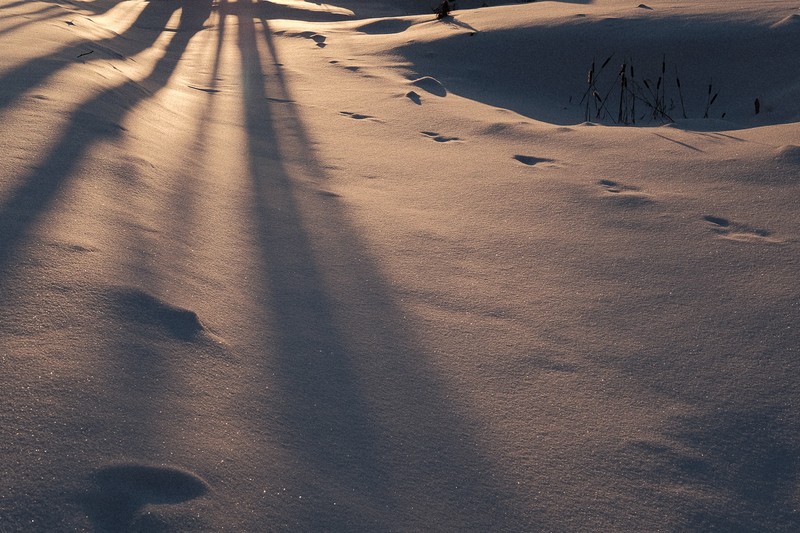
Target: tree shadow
362,409
48,12
327,412
149,25
14,27
118,493
98,118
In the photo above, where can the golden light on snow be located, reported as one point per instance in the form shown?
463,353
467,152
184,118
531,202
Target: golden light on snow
337,267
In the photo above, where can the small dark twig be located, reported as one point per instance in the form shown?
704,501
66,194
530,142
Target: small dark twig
680,93
711,99
592,89
657,109
86,54
633,100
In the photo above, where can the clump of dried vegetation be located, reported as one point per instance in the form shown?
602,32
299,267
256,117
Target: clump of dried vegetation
443,10
628,99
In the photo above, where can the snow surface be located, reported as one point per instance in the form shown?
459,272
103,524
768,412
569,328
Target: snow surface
344,267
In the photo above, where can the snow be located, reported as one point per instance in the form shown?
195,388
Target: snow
297,267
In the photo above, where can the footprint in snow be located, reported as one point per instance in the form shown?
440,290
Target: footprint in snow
733,231
439,138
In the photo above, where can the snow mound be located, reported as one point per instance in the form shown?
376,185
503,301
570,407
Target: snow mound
431,85
792,21
139,306
385,26
535,63
123,490
151,484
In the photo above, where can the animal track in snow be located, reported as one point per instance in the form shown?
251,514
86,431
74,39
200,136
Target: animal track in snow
718,222
530,160
739,232
414,97
359,116
355,69
73,247
209,90
439,138
625,195
615,188
314,36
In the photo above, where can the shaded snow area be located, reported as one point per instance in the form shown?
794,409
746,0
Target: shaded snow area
288,266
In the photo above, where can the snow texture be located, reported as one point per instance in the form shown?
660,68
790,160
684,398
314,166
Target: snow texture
286,266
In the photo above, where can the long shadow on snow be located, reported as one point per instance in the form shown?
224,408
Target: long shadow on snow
550,88
362,409
393,8
744,463
27,19
98,118
149,25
